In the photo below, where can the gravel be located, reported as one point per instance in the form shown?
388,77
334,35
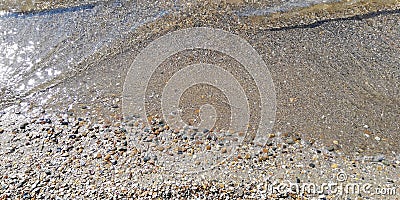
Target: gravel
48,163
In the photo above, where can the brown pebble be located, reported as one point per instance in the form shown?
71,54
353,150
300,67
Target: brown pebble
108,156
199,142
263,158
224,150
208,147
160,148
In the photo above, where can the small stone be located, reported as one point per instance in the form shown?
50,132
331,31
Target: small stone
66,154
124,149
146,158
378,158
271,135
334,166
312,165
331,148
26,196
377,138
23,125
1,130
198,142
107,157
247,156
265,150
335,142
385,162
209,137
98,156
290,141
240,192
160,148
224,150
208,147
263,157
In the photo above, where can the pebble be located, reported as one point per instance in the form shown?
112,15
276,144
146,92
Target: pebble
264,157
290,141
378,158
66,154
224,150
23,125
331,148
146,158
124,149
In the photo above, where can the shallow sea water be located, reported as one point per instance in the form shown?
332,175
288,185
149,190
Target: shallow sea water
65,57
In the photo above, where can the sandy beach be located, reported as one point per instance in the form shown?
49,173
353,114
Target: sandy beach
318,82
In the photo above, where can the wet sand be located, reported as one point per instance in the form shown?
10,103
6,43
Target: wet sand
336,76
